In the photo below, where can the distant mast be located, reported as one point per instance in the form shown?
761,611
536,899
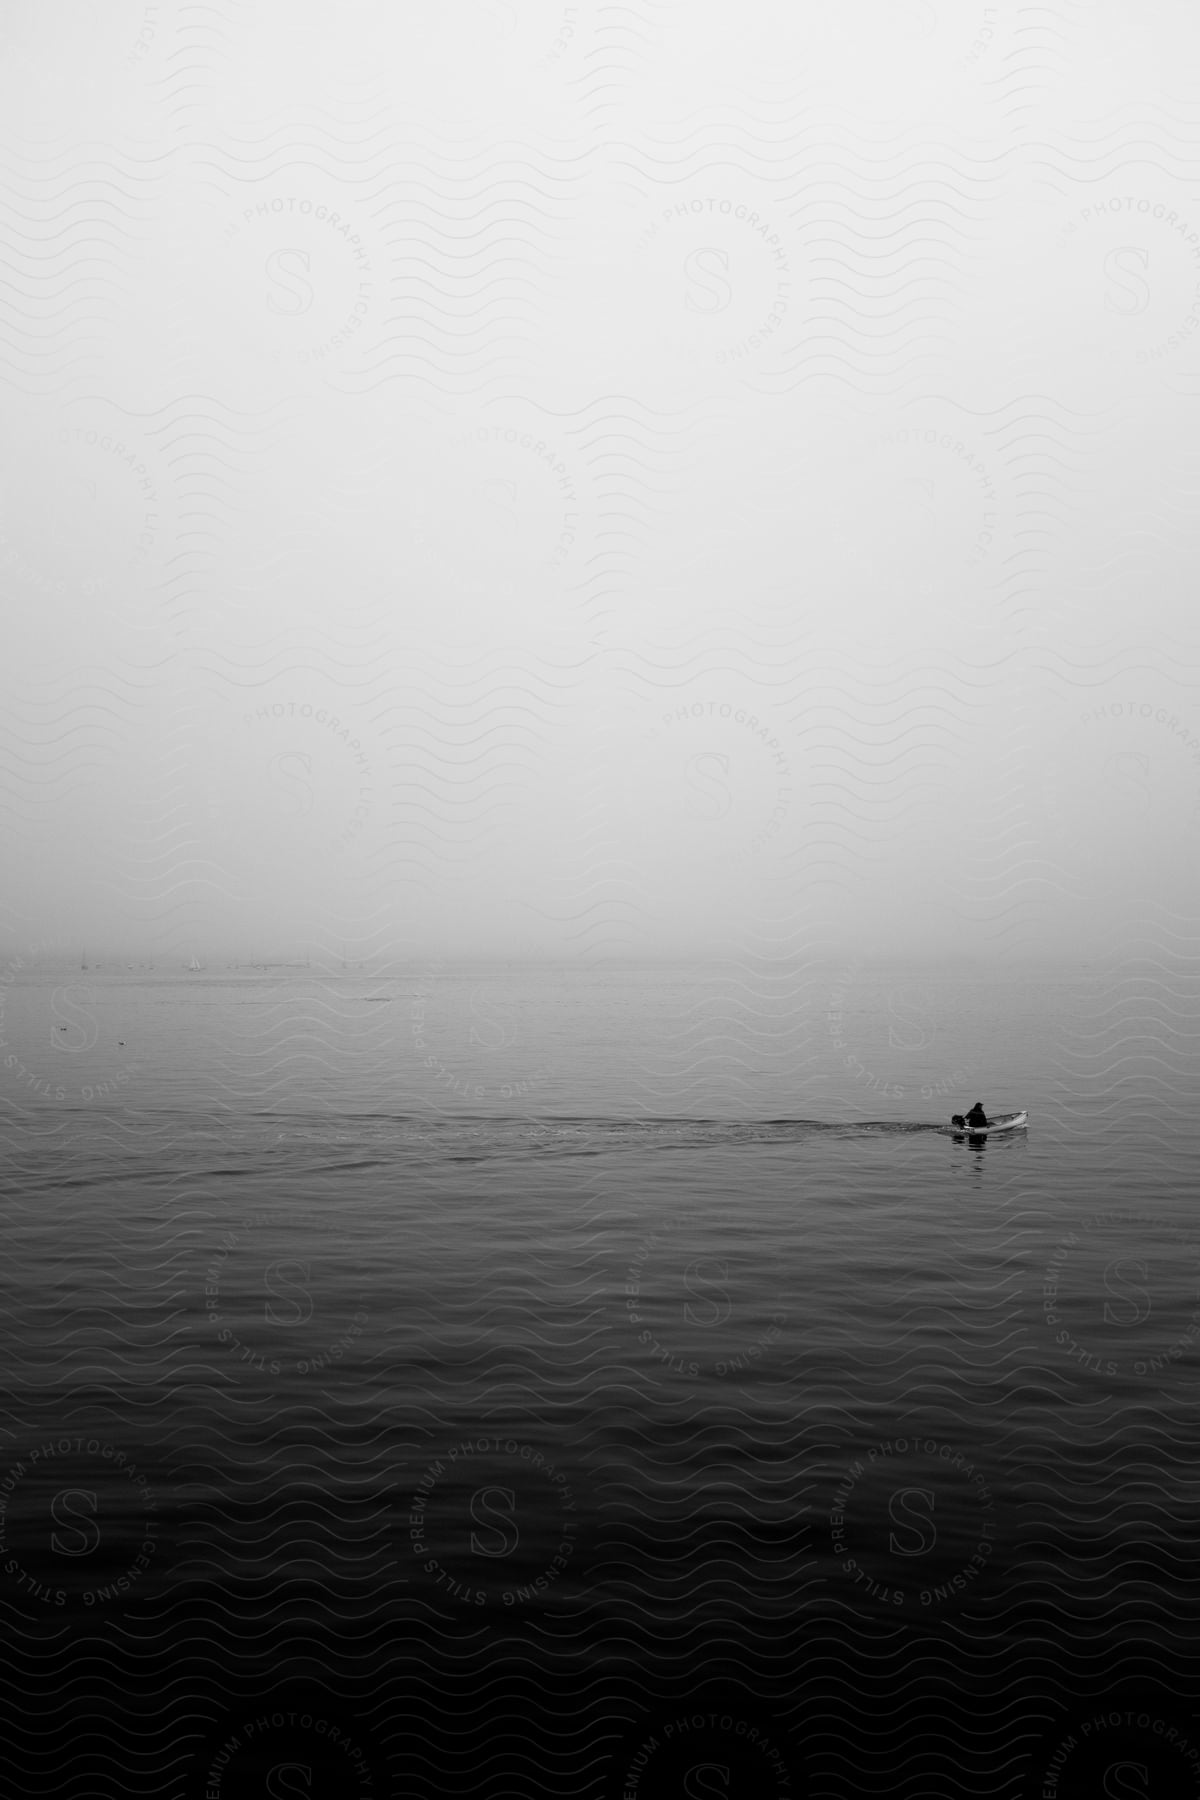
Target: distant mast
83,959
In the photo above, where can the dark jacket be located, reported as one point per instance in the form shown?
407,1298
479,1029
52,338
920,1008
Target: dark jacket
977,1116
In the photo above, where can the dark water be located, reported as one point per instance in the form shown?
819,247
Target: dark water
603,1383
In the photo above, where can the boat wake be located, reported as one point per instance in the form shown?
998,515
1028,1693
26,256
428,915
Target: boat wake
467,1137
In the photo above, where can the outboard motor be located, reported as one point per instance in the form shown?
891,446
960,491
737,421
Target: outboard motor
957,1119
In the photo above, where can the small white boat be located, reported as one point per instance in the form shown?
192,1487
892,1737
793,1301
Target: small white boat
1001,1122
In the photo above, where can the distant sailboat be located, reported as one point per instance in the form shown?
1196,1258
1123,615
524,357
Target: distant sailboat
83,959
195,967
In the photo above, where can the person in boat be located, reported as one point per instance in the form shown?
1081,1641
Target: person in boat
975,1117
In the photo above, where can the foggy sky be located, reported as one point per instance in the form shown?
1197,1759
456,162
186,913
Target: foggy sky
490,478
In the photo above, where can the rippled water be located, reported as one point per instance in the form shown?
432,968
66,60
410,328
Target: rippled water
624,1336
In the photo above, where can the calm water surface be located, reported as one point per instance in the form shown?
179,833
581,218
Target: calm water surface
625,1336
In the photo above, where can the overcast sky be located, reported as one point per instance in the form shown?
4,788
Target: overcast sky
497,477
